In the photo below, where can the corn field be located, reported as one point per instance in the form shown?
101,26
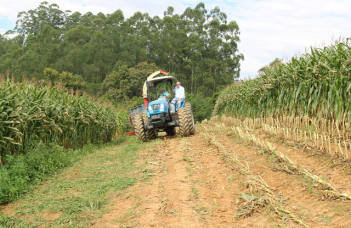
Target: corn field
307,100
30,113
316,84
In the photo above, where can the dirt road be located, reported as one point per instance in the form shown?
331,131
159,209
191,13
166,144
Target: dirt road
214,179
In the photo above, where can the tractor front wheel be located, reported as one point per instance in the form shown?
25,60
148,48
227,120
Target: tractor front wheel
150,134
139,127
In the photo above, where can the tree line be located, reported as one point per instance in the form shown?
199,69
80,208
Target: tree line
199,47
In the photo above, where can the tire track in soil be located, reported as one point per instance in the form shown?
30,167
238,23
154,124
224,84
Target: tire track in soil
311,206
192,187
173,190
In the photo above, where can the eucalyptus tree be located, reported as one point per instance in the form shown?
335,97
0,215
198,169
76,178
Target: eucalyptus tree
113,36
94,56
125,83
72,20
134,34
195,45
34,21
222,60
198,46
212,57
72,45
155,47
3,48
172,37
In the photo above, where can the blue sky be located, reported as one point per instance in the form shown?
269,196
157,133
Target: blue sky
269,28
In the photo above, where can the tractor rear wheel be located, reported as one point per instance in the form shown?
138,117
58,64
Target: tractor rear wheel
192,122
184,122
150,134
139,127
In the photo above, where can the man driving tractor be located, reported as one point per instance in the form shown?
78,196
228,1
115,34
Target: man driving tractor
165,94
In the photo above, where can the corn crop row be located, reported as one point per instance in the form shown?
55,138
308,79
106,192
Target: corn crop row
31,113
328,137
316,84
313,140
333,128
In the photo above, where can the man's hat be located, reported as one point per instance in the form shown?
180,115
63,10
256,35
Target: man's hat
163,89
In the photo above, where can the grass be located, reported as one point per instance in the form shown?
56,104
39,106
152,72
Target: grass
21,173
185,158
195,192
201,210
326,219
78,196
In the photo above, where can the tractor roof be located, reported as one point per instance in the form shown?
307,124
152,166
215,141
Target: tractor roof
153,79
162,78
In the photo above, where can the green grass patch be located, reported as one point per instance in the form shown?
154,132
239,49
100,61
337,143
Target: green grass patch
23,172
79,194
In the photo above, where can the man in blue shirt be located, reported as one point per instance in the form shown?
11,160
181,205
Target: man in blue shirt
165,94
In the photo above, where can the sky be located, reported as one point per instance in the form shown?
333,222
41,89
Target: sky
269,29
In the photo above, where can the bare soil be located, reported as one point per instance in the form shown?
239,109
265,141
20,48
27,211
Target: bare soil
196,185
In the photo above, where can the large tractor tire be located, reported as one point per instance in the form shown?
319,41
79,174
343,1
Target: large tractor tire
139,127
184,122
192,122
150,134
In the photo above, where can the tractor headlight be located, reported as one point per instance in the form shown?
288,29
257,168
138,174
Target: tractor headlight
150,109
162,107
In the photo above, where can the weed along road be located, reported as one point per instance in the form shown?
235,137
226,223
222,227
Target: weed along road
223,176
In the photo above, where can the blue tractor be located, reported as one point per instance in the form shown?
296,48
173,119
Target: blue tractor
159,114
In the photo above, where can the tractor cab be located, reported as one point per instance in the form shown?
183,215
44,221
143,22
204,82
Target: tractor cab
158,102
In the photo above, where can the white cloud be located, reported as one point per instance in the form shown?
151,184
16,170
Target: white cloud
281,29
